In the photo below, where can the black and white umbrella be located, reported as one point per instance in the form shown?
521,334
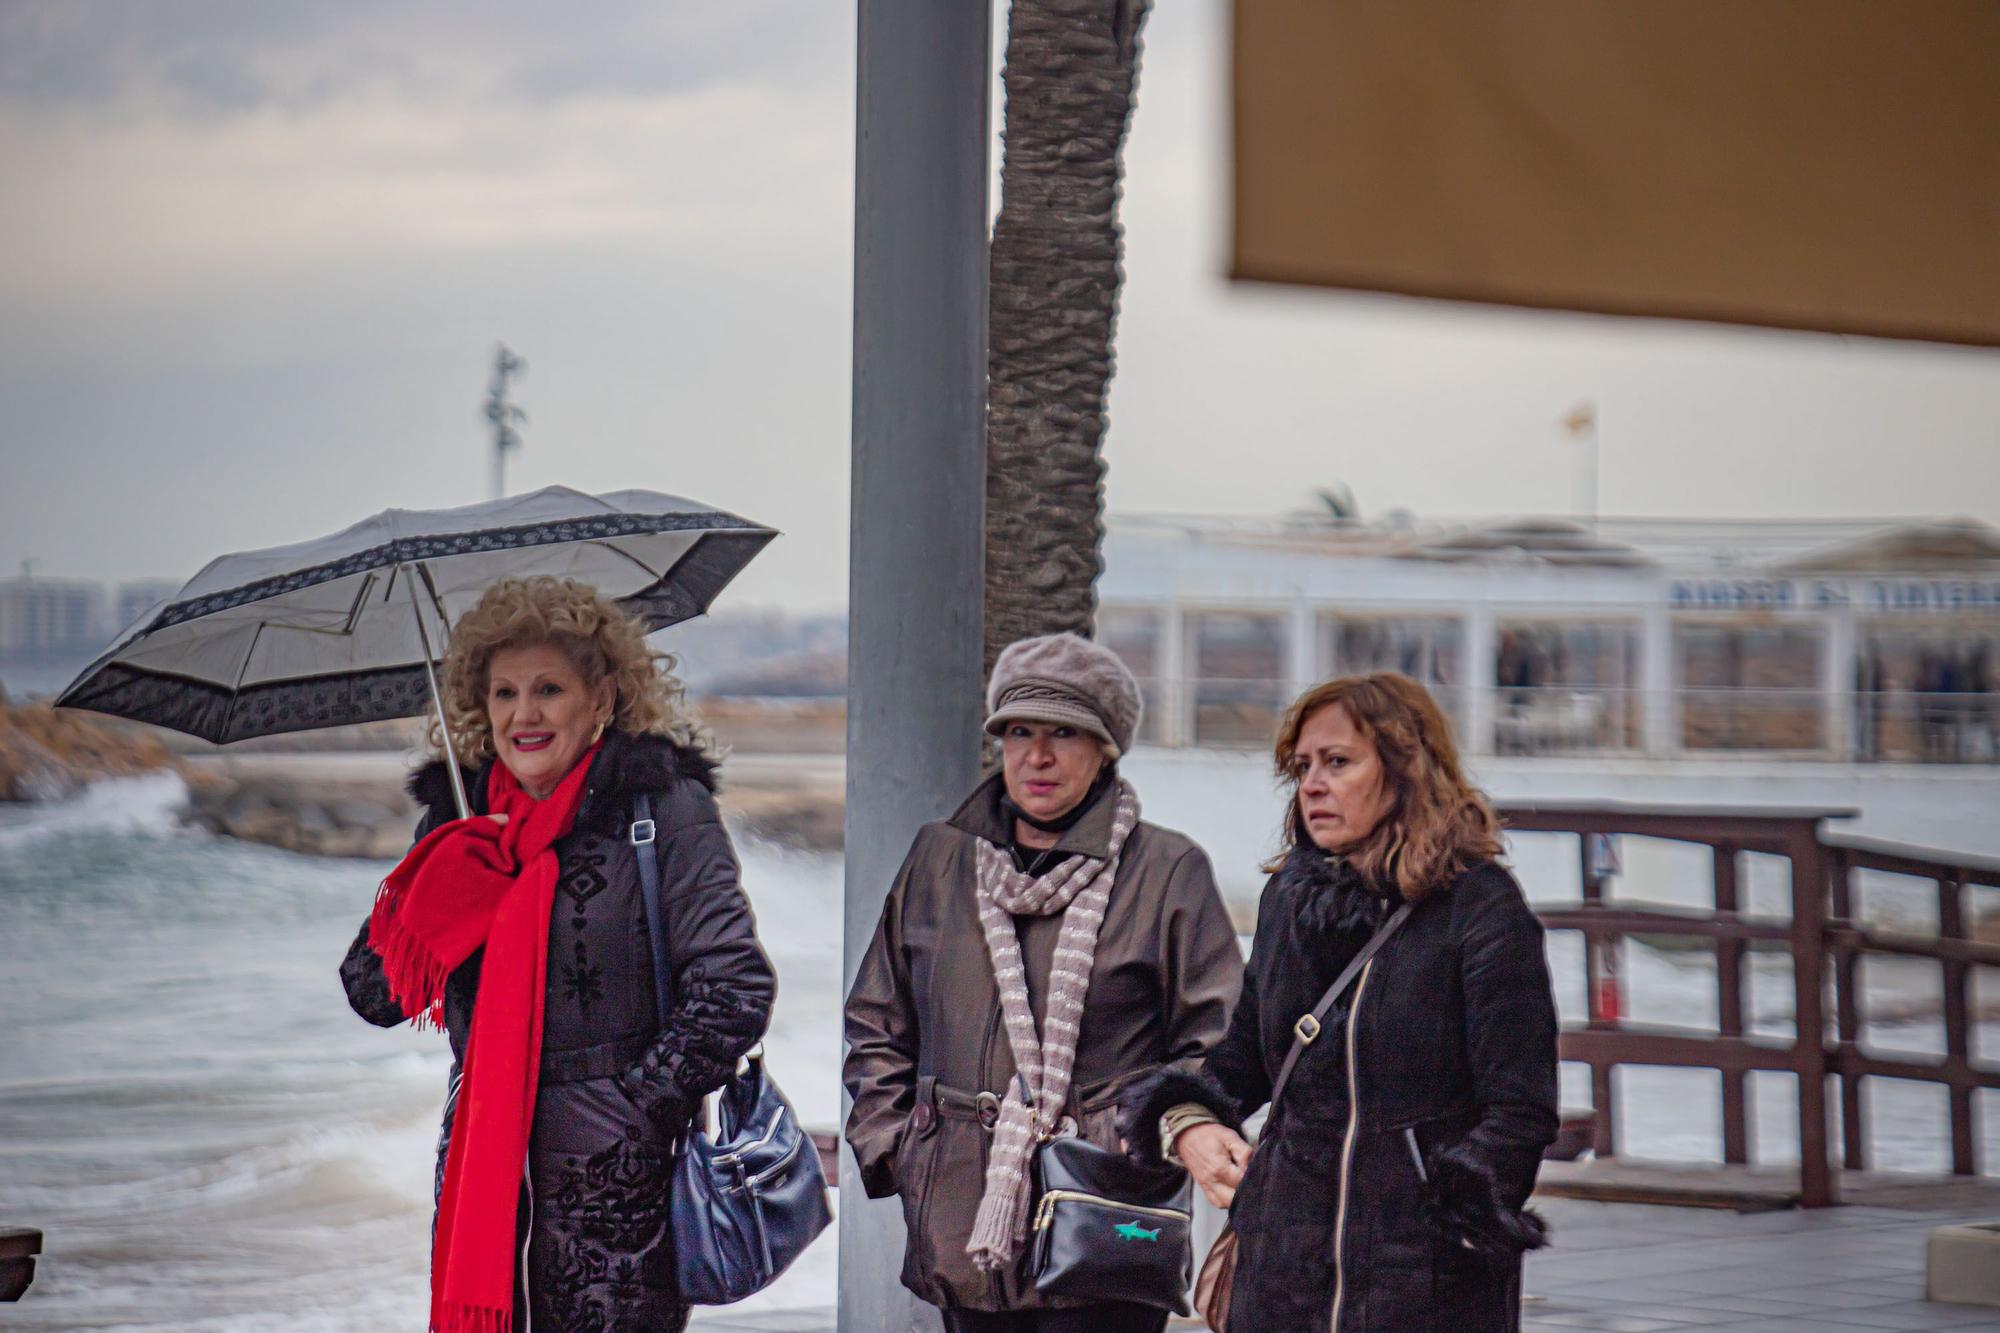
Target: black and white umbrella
345,628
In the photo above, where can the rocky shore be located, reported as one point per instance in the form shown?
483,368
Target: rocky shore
340,792
46,755
330,808
353,804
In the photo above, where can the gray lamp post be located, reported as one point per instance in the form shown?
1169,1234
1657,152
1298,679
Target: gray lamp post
916,556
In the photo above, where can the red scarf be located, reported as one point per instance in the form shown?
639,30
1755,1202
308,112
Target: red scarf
475,883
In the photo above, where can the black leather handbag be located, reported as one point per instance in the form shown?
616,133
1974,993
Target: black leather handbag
1108,1229
749,1197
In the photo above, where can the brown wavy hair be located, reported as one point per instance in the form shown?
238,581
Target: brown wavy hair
1437,823
599,640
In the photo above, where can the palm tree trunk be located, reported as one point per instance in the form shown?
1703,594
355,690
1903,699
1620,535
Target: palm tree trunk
1072,66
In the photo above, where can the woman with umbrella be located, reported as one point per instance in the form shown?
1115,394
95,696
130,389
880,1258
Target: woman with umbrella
528,916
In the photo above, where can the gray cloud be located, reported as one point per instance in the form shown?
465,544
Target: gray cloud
235,319
208,59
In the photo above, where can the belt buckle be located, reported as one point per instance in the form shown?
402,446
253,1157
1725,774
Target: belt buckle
987,1106
1306,1029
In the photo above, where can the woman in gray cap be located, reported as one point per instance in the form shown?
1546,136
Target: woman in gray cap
1039,950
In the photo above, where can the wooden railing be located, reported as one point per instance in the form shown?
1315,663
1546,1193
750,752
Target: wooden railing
1825,943
1956,955
1606,1040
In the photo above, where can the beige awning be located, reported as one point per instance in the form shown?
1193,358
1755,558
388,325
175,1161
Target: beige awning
1810,164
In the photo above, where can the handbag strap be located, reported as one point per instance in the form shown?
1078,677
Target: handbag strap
1307,1029
643,834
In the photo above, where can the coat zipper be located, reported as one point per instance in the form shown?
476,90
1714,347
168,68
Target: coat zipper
1416,1154
528,1177
1347,1148
528,1239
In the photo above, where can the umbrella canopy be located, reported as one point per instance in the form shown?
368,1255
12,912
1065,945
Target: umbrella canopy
341,629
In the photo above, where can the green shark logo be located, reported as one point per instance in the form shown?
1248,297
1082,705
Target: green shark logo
1133,1231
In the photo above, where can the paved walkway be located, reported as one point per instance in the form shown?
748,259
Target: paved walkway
769,1321
1634,1268
1637,1268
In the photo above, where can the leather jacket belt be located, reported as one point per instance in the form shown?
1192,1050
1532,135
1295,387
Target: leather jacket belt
607,1059
935,1100
940,1099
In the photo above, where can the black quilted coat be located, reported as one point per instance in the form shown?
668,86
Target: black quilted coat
1386,1193
616,1087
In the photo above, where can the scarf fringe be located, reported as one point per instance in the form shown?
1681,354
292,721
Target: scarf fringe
998,1232
416,976
459,1317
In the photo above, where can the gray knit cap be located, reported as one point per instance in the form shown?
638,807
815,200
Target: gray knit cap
1067,679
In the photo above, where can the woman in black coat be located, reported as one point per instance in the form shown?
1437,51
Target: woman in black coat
553,694
1387,1190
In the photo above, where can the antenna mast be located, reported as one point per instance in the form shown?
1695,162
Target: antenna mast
503,414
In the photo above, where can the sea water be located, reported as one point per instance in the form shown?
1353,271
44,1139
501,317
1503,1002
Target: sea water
205,1133
211,1140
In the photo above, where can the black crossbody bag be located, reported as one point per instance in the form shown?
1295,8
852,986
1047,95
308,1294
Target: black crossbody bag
1109,1229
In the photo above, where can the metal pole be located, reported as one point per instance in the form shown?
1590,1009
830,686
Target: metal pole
1818,1185
1581,423
1590,493
437,696
503,414
917,519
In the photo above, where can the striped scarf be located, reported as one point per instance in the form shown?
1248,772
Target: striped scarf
1079,888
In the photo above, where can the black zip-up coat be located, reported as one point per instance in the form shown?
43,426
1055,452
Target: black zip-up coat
1399,1208
616,1086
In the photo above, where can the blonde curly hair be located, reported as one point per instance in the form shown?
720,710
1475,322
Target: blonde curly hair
599,640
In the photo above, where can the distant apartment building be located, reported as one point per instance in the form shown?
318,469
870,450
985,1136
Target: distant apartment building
135,599
44,617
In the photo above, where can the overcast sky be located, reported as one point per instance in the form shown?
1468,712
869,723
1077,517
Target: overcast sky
254,259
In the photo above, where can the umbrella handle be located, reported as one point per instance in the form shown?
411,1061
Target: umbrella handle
437,700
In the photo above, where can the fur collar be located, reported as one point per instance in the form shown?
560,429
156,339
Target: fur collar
1329,895
625,765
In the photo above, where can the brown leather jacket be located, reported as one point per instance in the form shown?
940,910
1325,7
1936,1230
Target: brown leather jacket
926,1056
